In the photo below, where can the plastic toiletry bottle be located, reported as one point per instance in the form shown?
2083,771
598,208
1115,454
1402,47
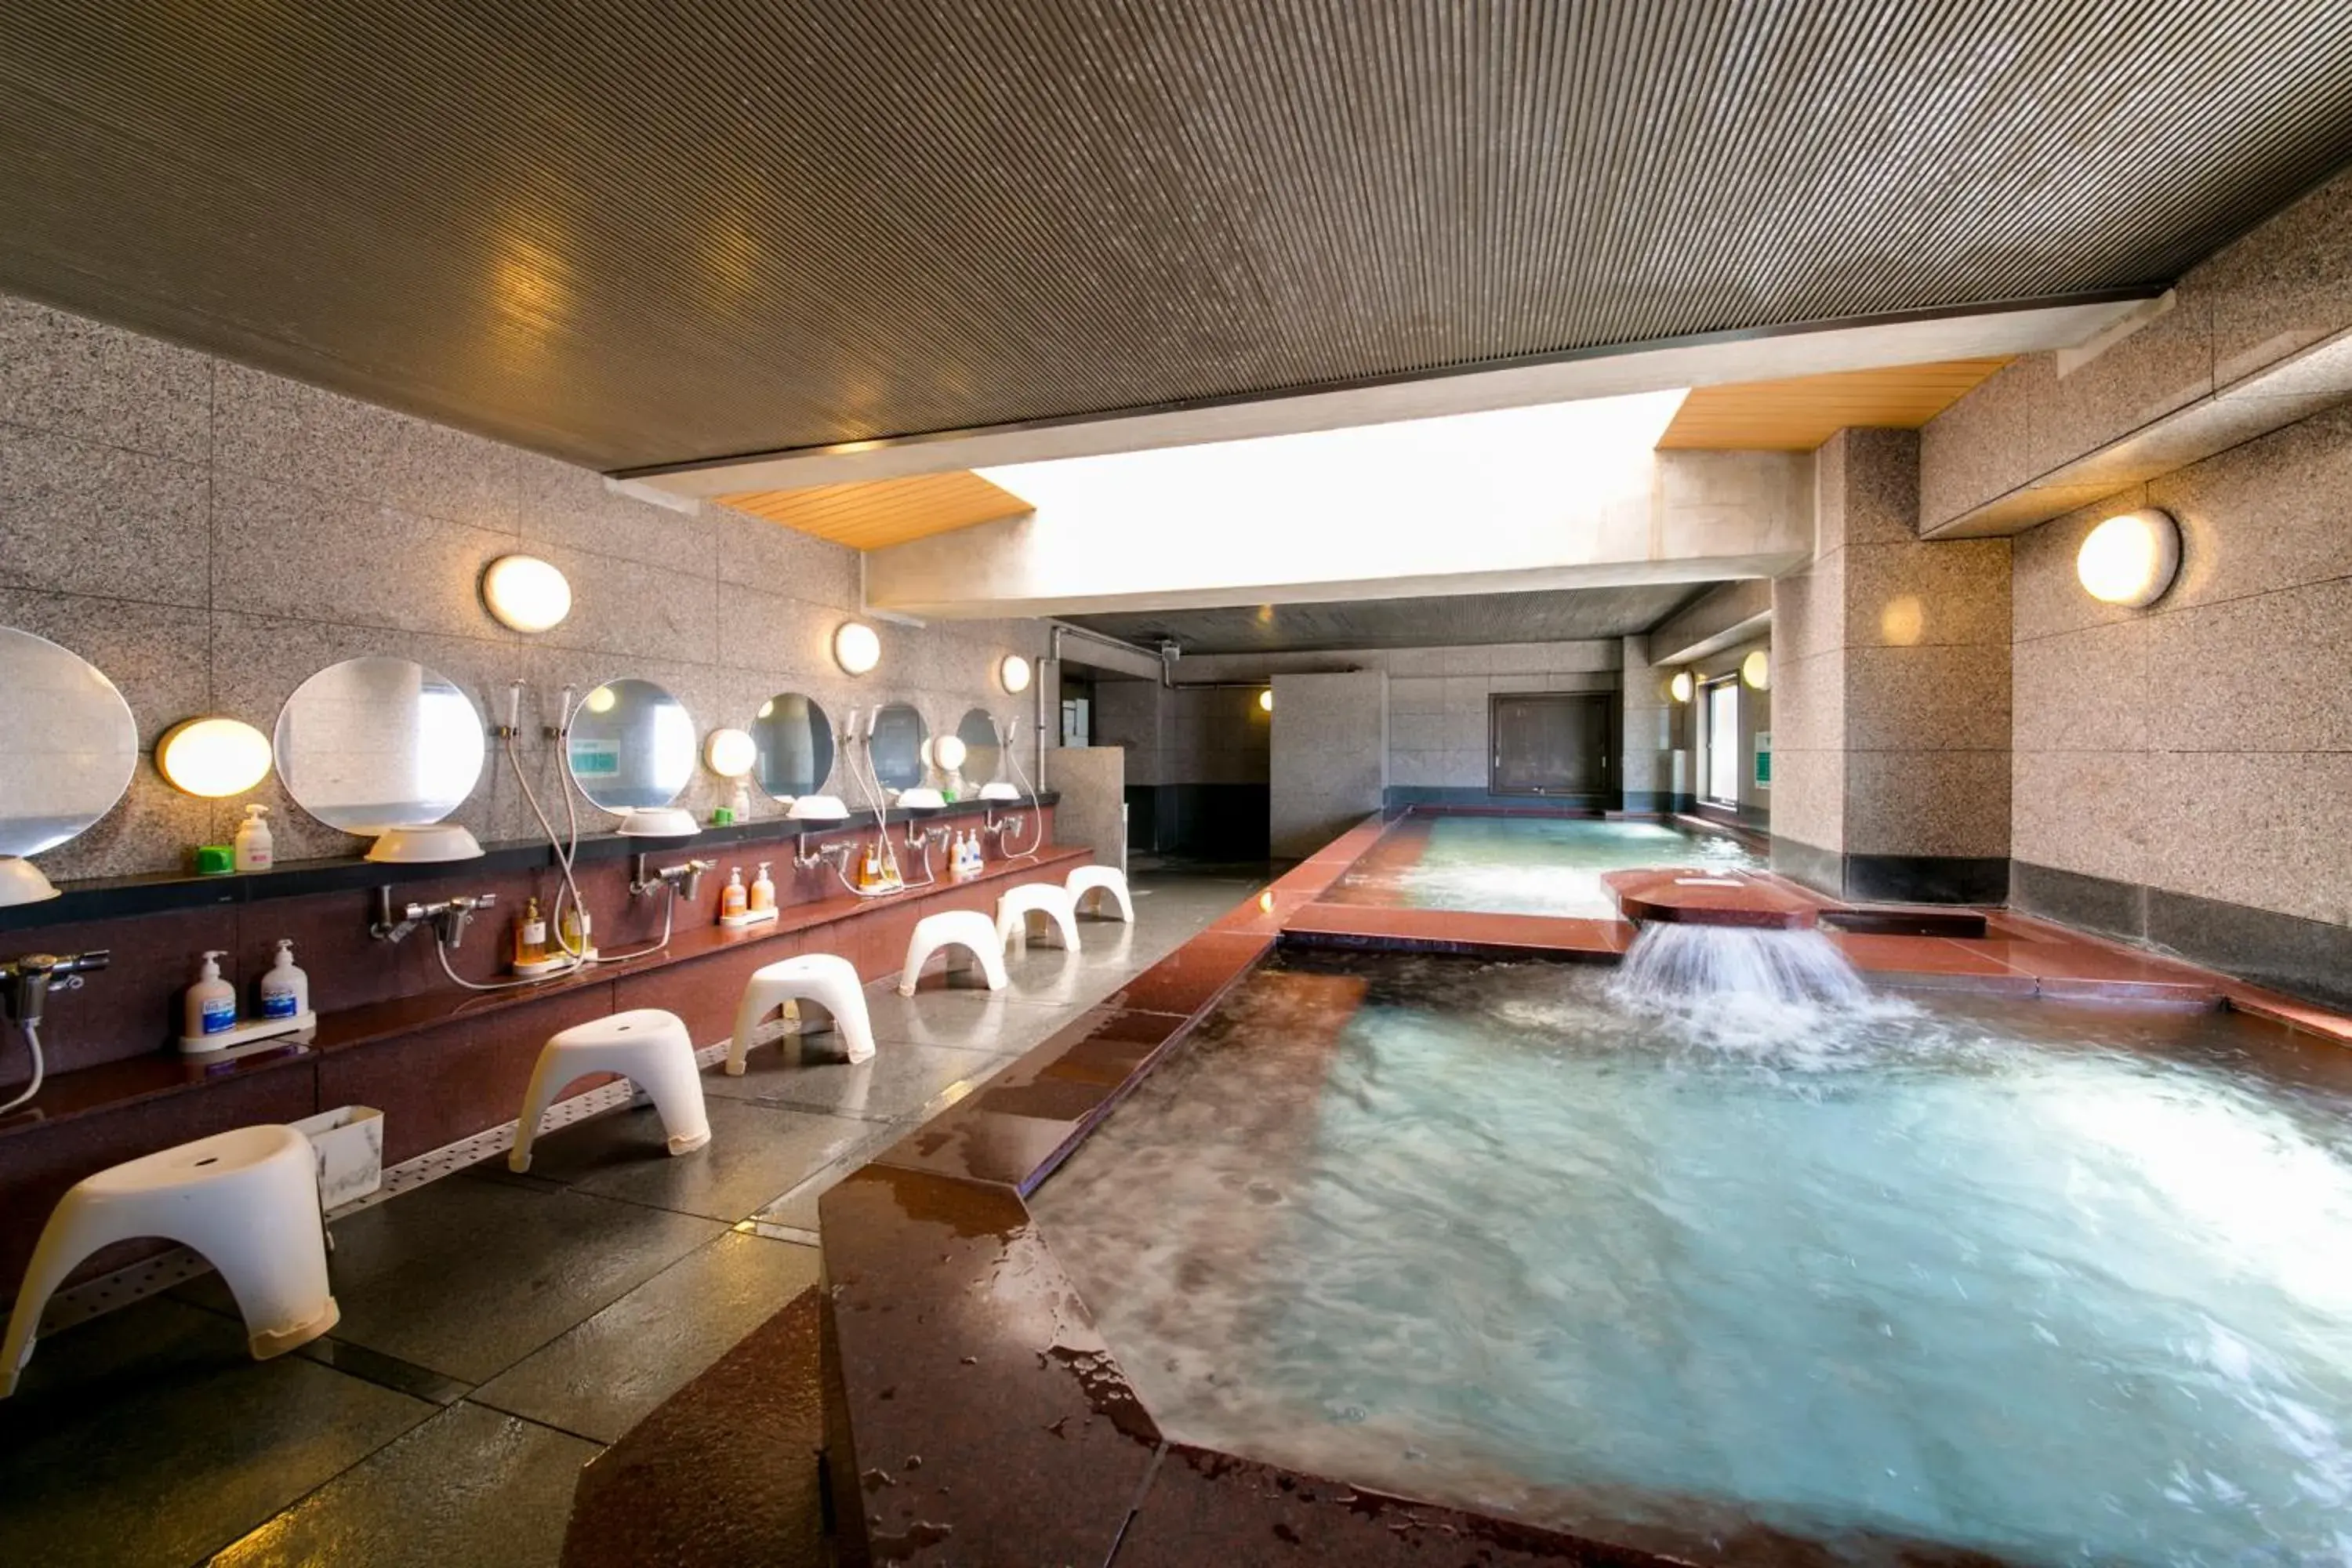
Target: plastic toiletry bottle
211,1002
575,926
764,890
254,850
732,899
531,936
285,990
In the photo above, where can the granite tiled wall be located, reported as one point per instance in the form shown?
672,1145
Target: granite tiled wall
1330,757
2277,290
1891,687
2202,746
209,536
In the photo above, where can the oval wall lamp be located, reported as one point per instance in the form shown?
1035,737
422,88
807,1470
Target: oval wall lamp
212,758
1756,670
1014,672
1680,687
1266,700
947,752
2130,560
857,648
526,594
731,753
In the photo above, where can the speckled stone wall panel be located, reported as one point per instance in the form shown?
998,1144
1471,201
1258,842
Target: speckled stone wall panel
211,536
2202,746
2283,286
1982,445
1329,756
2165,363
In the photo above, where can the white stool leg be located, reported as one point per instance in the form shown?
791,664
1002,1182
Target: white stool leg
907,977
1066,921
844,1005
991,965
1117,892
535,1102
670,1078
1012,931
267,1240
758,1001
77,1228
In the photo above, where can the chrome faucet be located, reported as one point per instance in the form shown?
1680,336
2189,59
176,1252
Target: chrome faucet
450,917
26,983
839,849
685,878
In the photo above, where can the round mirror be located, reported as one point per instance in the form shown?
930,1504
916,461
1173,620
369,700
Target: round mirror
632,744
71,745
374,744
897,748
796,744
983,749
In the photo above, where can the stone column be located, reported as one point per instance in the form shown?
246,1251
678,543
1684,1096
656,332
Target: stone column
1891,692
1650,736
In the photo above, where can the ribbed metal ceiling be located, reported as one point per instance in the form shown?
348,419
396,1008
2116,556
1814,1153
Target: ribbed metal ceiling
633,234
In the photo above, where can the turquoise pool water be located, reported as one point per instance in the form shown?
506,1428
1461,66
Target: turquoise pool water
1532,865
2057,1285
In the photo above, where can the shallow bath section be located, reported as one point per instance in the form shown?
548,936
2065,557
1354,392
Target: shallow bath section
1523,865
2052,1284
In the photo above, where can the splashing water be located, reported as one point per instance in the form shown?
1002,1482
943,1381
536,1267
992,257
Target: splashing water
1670,963
2059,1284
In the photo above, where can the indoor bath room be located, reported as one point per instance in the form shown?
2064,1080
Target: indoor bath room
995,786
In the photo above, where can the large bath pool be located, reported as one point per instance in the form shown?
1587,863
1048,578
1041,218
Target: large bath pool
1522,865
2054,1284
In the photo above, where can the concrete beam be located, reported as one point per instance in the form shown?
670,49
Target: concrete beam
1725,617
1707,360
1640,517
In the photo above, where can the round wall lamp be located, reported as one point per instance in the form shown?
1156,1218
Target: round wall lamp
526,592
947,752
213,757
1266,700
856,647
1014,672
731,753
1756,670
2130,560
600,700
1680,688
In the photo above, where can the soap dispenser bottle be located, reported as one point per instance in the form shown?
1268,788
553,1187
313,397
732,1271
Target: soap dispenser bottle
211,1002
531,937
733,899
764,890
285,990
254,849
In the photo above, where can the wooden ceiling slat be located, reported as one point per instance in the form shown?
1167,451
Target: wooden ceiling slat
884,511
1797,415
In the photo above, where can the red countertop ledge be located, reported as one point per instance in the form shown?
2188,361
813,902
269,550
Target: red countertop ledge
111,1085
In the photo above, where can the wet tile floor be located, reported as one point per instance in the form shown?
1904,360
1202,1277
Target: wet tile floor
498,1330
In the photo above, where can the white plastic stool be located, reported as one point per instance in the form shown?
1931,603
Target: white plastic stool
1046,898
966,928
648,1046
813,979
1107,880
247,1200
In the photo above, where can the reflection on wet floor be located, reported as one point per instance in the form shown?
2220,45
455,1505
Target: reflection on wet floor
500,1330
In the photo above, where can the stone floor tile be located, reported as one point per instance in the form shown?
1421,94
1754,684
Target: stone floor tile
602,1377
470,1487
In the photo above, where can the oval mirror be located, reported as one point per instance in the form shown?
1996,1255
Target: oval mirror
632,744
796,744
71,748
896,750
374,744
983,749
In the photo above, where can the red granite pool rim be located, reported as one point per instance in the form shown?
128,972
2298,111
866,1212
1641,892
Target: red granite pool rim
975,1414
